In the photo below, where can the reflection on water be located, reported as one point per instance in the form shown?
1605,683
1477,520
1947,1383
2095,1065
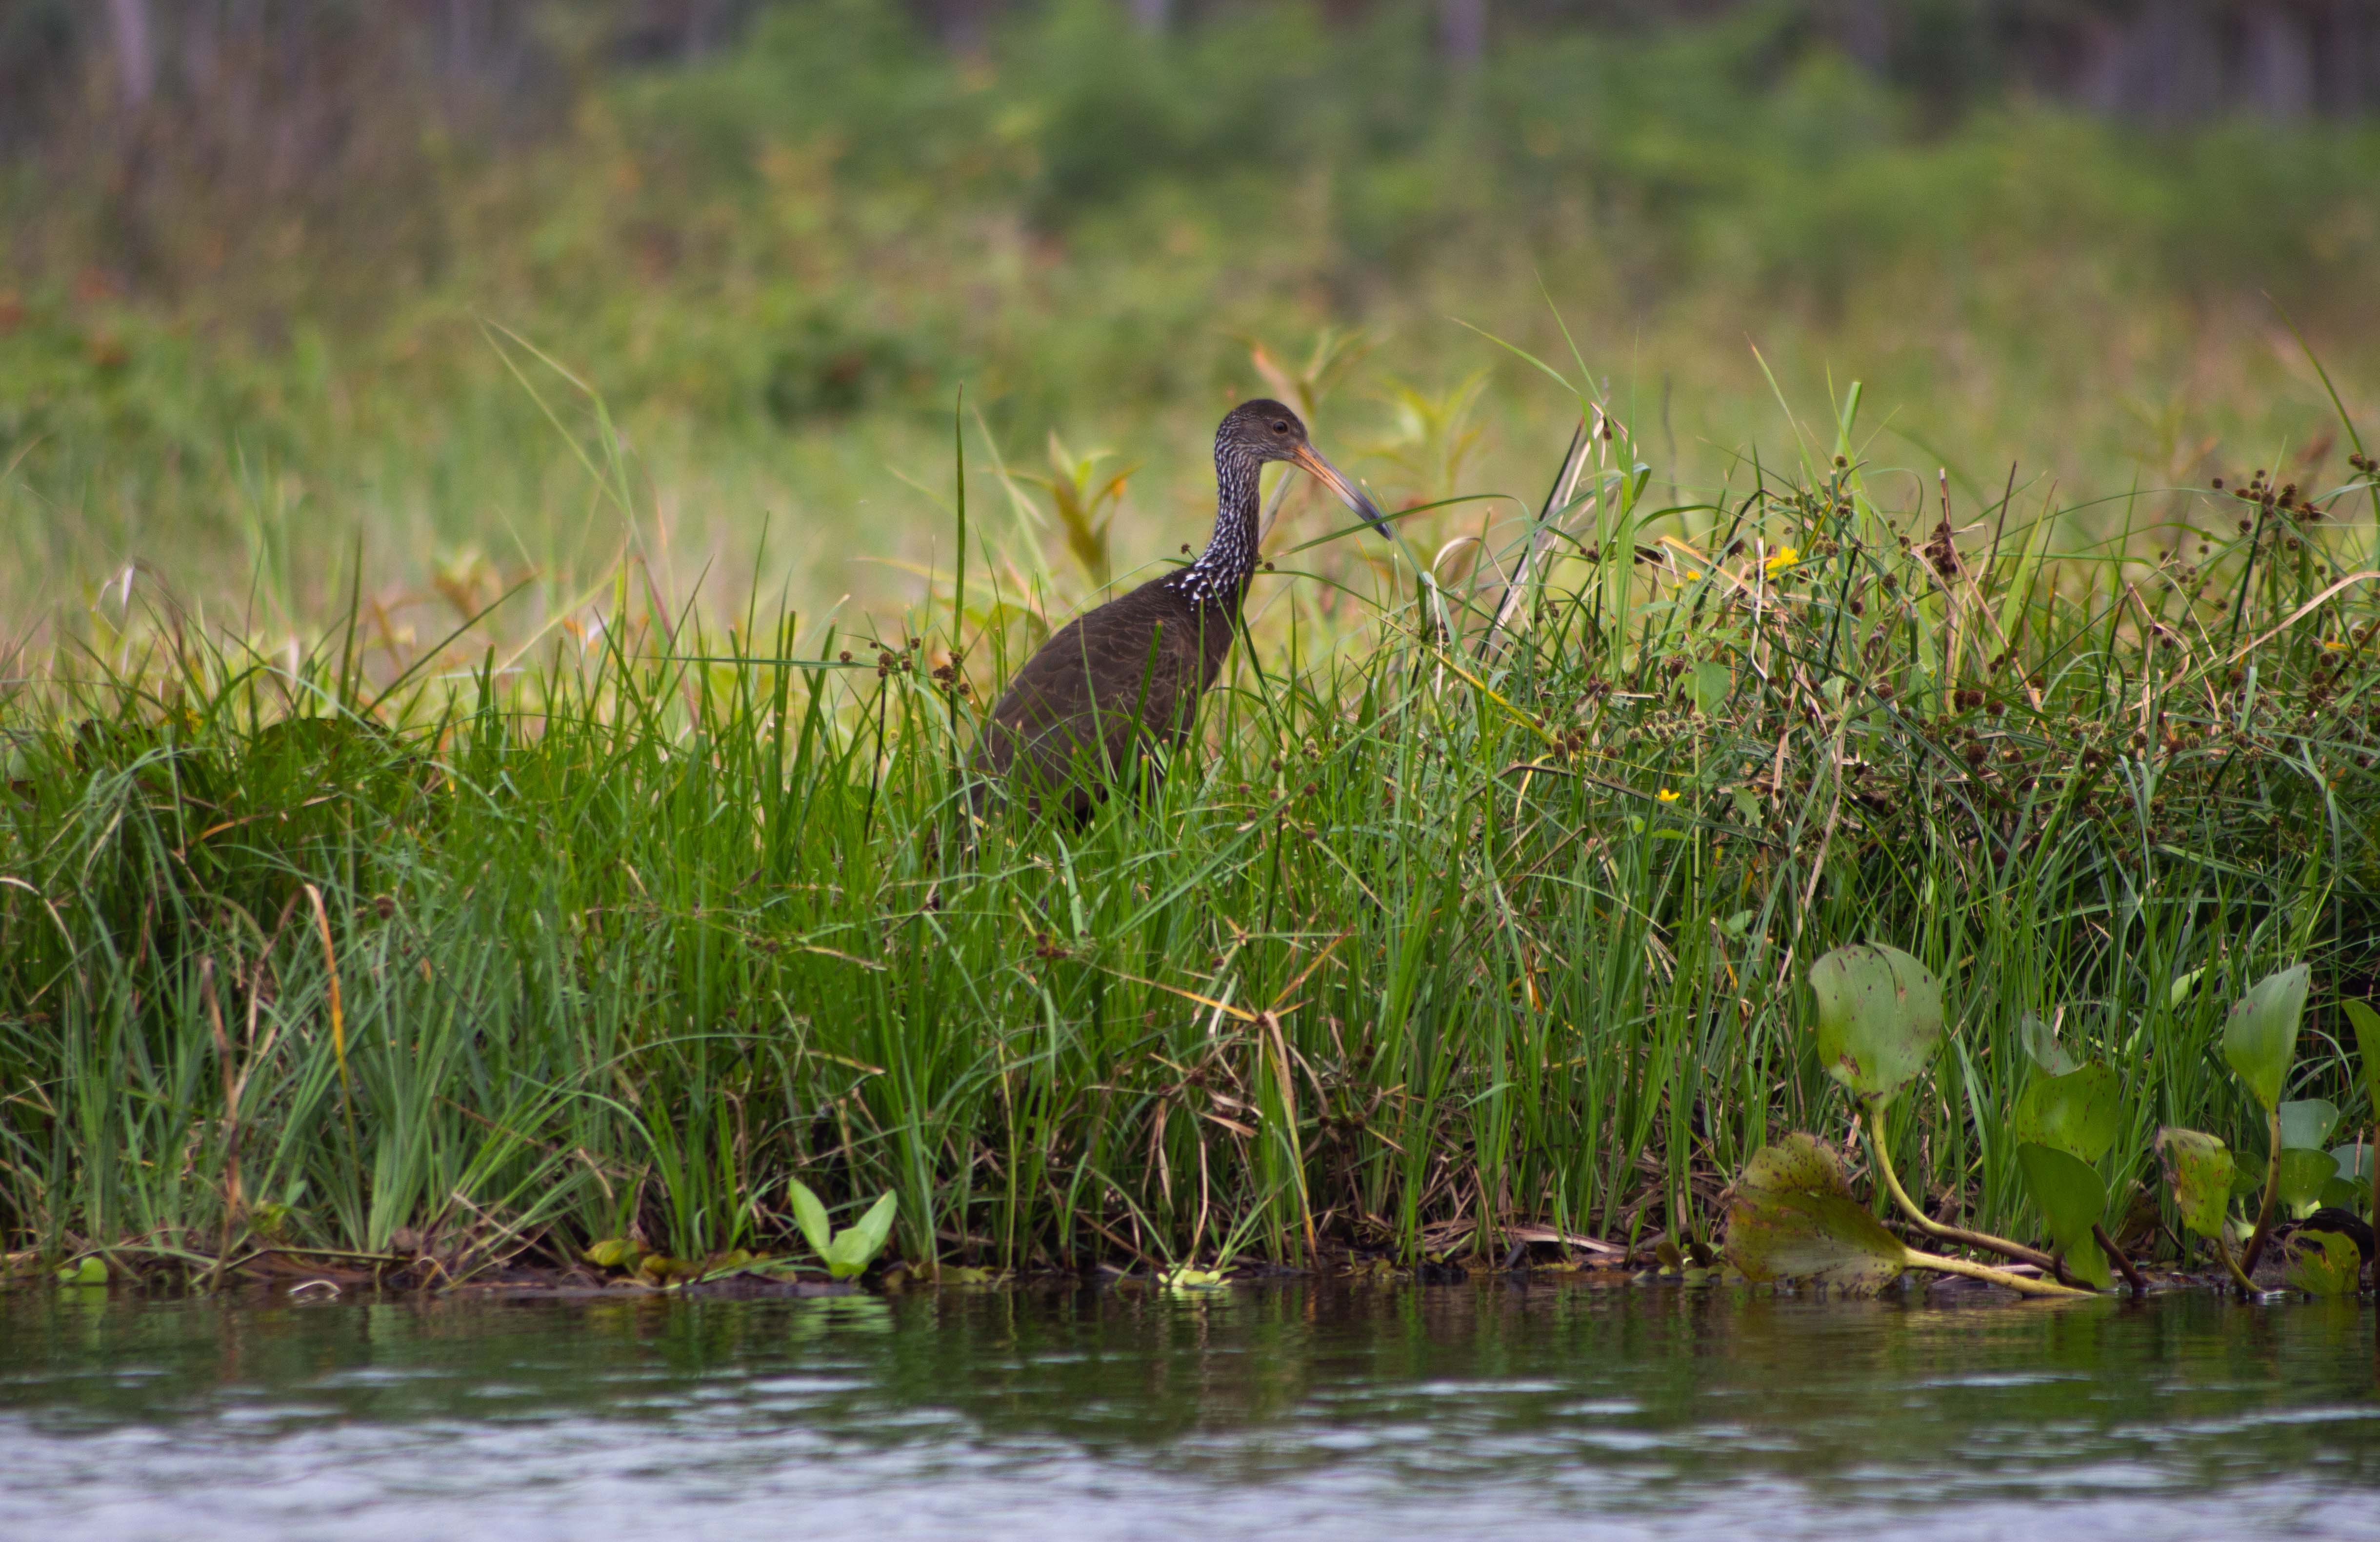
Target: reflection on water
1322,1411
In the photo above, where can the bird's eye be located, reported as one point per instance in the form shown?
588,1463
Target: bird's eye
1279,426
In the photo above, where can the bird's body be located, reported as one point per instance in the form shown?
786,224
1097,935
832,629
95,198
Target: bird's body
1128,677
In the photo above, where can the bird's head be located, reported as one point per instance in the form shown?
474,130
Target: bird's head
1266,429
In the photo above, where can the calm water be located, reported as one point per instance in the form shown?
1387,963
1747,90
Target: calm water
1318,1412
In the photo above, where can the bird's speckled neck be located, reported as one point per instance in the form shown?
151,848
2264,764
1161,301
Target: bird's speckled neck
1220,578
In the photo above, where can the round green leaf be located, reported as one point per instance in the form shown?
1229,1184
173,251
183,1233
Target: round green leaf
2354,1162
1793,1216
2259,1037
2324,1263
2071,1197
2198,1166
2080,1112
2040,1046
1879,1018
2306,1122
2303,1175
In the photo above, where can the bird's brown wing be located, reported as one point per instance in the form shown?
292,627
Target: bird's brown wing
1120,675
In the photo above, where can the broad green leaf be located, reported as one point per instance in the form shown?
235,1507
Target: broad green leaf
846,1258
84,1272
2182,986
2071,1196
2040,1046
2367,1044
1712,686
1793,1218
2344,1195
877,1224
2303,1175
809,1214
614,1253
2079,1113
2306,1122
2259,1037
2354,1162
2198,1166
1879,1018
2324,1263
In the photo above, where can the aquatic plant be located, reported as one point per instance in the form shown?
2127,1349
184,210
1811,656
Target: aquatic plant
420,957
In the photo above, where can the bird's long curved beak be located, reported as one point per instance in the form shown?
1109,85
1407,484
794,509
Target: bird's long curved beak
1329,475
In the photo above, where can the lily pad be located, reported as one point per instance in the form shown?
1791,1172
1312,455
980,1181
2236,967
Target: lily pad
1879,1018
1793,1218
2199,1167
2324,1263
2259,1037
2306,1122
2071,1196
2040,1046
2303,1173
2080,1112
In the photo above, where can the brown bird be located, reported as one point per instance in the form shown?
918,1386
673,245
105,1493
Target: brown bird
1128,676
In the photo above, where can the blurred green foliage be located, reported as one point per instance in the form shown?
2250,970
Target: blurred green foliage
782,262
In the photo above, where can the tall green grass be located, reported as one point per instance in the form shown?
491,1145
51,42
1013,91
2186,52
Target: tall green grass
1442,930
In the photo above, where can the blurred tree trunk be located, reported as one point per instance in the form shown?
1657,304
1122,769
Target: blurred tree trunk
136,61
1463,31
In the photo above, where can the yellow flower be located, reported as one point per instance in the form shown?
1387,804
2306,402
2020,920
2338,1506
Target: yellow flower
1779,560
1666,795
2333,644
1692,574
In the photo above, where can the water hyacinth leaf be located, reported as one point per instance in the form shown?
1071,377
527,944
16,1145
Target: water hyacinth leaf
1879,1018
809,1214
2303,1173
2071,1196
1793,1218
2306,1122
2040,1046
2344,1193
2260,1039
2324,1263
2198,1167
2080,1112
2354,1162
